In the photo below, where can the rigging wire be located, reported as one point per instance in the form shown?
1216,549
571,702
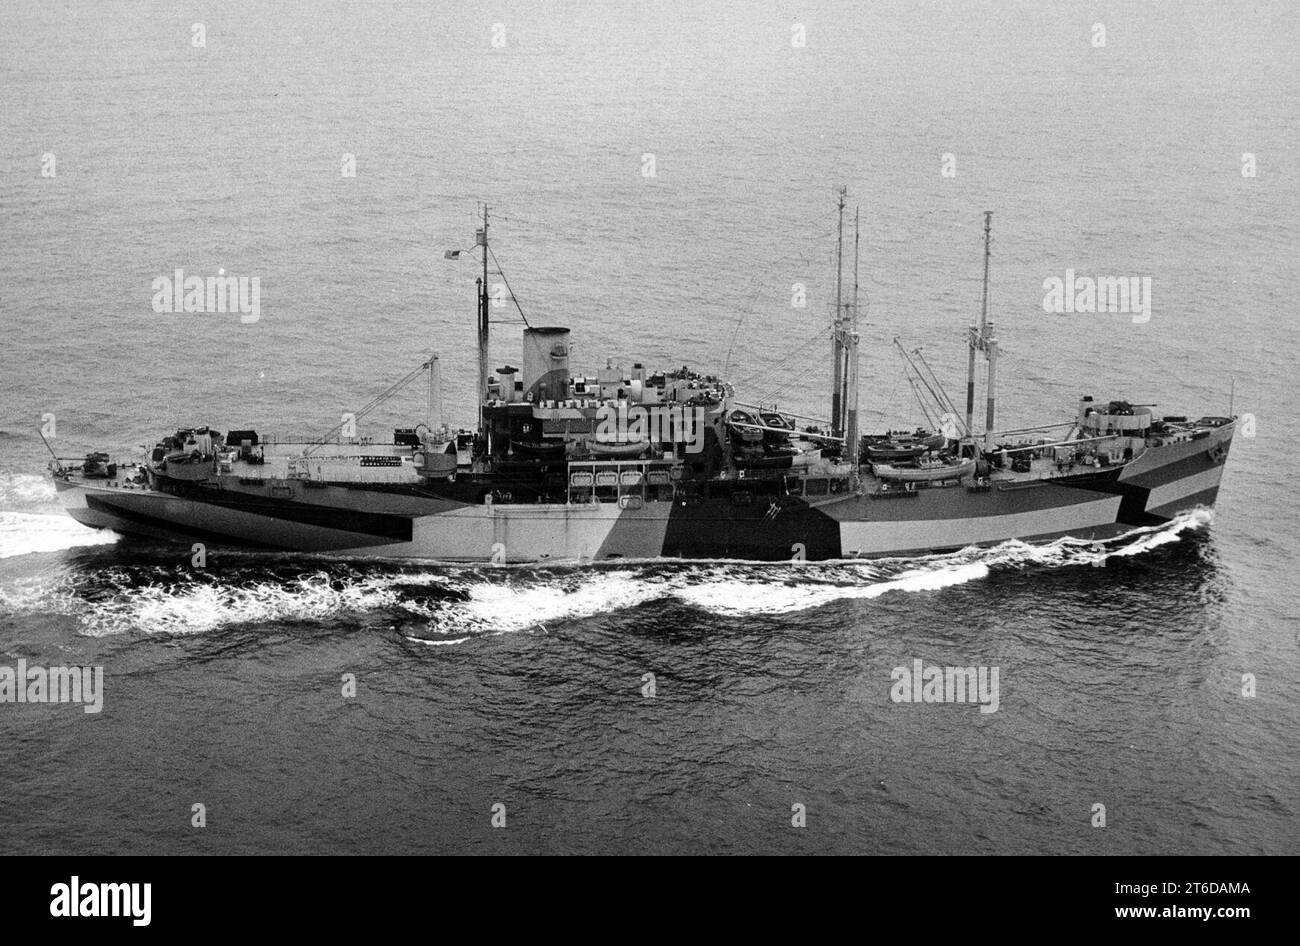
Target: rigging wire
748,308
726,364
502,273
374,402
891,403
767,370
772,393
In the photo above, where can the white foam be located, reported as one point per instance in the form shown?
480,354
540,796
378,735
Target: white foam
1163,535
513,600
764,597
161,609
26,489
496,606
760,595
23,533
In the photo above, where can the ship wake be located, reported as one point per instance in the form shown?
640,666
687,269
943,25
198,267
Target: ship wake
440,605
32,521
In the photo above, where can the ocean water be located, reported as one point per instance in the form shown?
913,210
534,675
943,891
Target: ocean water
1121,665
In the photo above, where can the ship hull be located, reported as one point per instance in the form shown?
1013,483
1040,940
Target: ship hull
752,520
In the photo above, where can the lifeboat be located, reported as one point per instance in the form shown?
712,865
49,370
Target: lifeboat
893,446
889,451
779,429
776,460
744,426
617,451
931,472
538,449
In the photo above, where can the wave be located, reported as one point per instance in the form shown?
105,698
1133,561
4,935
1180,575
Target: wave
31,519
757,595
27,490
453,604
23,533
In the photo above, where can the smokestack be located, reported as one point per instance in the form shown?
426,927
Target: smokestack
546,364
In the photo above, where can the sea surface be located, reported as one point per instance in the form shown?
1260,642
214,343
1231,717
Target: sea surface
670,706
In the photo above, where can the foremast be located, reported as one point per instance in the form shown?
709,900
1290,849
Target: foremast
484,330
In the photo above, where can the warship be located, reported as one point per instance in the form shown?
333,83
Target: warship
564,466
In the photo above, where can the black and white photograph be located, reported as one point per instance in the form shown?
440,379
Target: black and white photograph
665,428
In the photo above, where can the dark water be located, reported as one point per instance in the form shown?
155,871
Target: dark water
524,687
1121,665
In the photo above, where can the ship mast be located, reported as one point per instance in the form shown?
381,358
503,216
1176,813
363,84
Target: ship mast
837,342
981,338
851,352
844,344
481,238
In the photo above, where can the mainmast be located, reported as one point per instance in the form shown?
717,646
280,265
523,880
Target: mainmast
981,338
837,341
844,344
481,238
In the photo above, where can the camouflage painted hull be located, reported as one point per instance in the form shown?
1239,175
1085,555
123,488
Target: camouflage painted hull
738,520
